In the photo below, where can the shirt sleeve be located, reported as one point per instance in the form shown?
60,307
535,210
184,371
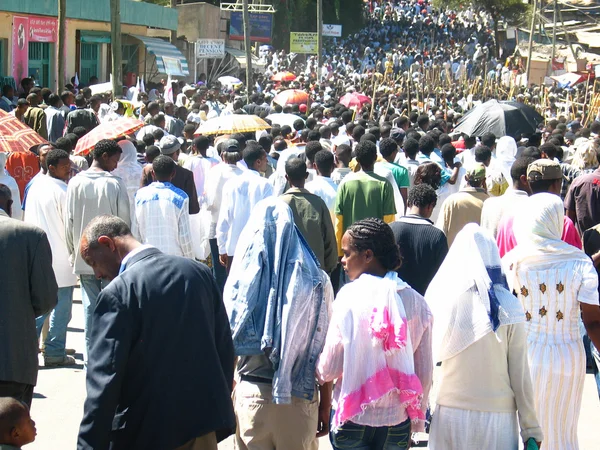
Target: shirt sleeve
588,291
185,233
389,205
404,179
224,221
570,197
571,235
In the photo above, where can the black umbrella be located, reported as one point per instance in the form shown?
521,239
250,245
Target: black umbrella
501,119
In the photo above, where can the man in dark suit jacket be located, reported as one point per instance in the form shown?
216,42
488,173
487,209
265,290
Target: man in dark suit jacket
183,179
160,368
28,289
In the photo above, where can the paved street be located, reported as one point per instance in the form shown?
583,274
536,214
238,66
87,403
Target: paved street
60,393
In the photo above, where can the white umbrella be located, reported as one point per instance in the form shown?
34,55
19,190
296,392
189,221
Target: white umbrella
229,81
283,119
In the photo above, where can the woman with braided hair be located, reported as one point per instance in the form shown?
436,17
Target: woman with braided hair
378,346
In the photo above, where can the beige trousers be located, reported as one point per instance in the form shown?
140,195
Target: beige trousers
206,442
263,425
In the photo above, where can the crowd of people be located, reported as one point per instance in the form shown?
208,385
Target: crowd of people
364,273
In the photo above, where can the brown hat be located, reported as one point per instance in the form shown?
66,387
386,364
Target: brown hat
544,169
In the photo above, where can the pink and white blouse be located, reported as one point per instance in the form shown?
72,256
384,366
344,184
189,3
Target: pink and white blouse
378,347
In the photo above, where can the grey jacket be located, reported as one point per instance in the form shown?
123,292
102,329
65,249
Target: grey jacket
91,194
28,289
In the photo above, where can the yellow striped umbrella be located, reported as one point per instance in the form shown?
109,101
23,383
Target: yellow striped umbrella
15,136
231,124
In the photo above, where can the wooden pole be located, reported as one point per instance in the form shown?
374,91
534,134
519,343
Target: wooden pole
60,46
531,31
173,37
247,45
115,40
319,38
554,37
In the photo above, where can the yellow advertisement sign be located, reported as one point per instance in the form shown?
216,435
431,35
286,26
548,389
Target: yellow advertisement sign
303,43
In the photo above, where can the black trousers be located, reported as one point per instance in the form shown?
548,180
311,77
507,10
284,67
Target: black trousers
20,391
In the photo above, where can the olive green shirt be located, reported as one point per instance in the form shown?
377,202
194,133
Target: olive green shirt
313,219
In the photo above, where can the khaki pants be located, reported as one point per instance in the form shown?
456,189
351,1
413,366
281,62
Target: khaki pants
263,425
206,442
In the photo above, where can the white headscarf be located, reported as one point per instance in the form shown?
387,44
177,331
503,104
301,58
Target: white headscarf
470,303
129,170
506,155
10,183
538,230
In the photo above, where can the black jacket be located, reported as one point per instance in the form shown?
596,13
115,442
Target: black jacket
160,365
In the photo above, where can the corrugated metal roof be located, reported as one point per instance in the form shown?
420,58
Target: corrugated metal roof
132,13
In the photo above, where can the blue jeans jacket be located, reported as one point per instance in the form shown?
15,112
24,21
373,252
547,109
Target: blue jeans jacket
277,299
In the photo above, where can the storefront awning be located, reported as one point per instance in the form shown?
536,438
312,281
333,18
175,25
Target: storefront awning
95,37
240,56
169,59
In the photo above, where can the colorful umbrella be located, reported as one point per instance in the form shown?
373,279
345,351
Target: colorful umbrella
15,136
291,97
234,123
354,99
283,76
107,130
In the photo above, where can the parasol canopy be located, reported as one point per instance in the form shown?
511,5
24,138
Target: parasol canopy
570,79
354,99
291,97
107,130
501,119
284,119
283,76
229,81
234,123
15,136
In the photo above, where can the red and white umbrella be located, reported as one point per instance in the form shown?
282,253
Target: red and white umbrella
354,99
15,136
291,97
107,130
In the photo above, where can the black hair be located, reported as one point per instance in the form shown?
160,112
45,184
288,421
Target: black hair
152,151
488,139
54,156
311,149
298,124
387,147
252,153
366,153
80,132
324,161
426,144
105,146
158,134
421,195
482,153
411,147
202,143
448,151
6,89
538,186
549,149
295,169
148,139
163,166
344,153
73,138
53,99
266,142
519,167
313,136
532,152
377,236
80,101
64,144
422,121
444,139
368,137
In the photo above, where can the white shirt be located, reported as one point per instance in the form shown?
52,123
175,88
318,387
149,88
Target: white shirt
325,188
163,220
215,181
45,208
240,194
199,165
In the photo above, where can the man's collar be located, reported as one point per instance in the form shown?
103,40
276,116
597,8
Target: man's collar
131,254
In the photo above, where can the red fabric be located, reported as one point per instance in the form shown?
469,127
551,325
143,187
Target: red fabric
22,166
506,238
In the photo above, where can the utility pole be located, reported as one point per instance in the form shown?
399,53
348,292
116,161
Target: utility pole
319,38
531,31
554,37
115,40
246,18
60,45
173,32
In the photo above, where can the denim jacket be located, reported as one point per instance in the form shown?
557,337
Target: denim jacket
278,299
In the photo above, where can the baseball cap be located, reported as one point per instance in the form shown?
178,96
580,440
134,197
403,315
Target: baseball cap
169,145
477,172
231,145
544,169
